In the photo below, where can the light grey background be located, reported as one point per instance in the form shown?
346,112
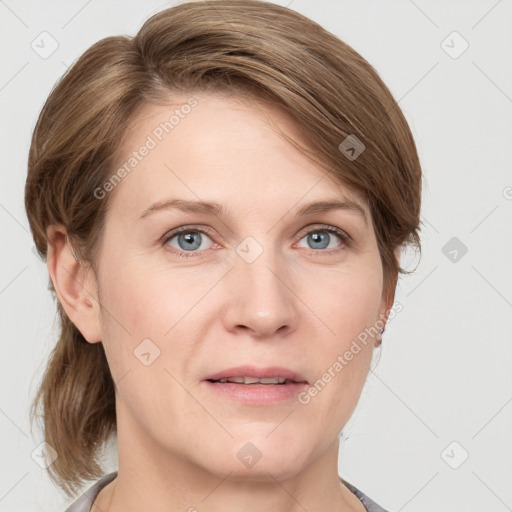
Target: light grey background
442,385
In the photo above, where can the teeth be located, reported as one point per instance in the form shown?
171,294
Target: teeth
272,380
252,380
239,380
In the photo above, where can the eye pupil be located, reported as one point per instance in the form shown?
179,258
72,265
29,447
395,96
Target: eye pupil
317,237
190,239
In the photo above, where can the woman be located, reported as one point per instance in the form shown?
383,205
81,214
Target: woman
221,201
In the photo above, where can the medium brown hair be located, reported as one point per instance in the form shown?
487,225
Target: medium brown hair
248,48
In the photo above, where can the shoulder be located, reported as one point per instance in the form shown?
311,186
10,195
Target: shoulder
368,503
84,503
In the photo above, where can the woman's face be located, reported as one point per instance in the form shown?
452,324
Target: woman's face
258,284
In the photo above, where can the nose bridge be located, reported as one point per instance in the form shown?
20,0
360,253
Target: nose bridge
262,300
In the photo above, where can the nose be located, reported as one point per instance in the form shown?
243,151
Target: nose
260,297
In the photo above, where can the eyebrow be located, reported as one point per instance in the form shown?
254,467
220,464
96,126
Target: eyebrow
210,208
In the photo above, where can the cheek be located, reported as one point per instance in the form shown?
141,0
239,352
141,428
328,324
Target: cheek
346,302
348,309
149,301
156,304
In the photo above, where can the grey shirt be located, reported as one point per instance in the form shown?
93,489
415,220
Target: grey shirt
84,503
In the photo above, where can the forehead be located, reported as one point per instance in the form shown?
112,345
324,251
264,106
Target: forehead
211,147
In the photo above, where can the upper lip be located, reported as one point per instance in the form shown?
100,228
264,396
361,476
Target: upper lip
257,373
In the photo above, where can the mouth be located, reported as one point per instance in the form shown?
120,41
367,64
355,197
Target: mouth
251,381
256,386
251,375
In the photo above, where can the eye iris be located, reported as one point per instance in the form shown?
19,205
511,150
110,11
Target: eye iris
191,243
317,236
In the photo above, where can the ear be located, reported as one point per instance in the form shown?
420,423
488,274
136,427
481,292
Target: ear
74,283
387,300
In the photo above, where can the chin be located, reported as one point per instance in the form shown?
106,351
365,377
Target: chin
267,458
263,471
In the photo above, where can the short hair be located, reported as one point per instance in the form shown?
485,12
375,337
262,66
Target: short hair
247,48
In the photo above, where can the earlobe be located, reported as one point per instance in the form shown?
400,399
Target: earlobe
74,283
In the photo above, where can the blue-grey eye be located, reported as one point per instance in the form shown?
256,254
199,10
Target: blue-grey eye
191,241
320,238
188,240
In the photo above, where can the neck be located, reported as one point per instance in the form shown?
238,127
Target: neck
150,478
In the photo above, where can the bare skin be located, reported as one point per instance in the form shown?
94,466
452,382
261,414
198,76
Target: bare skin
296,305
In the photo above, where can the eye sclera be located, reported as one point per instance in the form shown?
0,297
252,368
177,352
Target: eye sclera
346,240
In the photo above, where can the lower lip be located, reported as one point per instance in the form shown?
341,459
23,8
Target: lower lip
262,394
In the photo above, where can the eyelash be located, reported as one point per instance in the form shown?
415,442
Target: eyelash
344,237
